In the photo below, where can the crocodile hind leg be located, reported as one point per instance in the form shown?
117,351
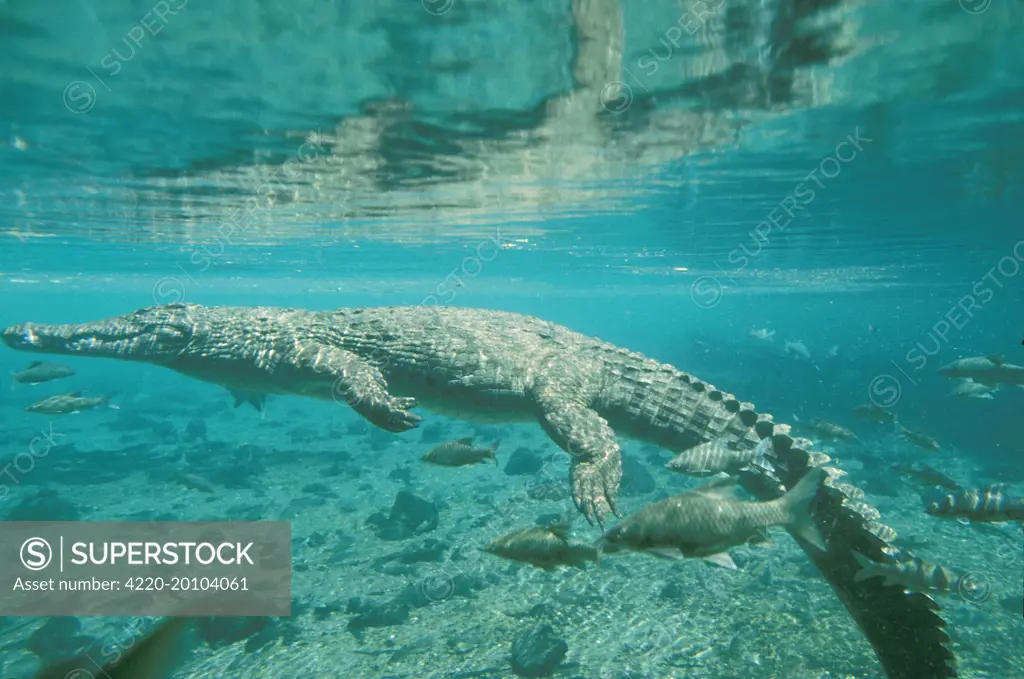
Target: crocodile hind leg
596,466
354,381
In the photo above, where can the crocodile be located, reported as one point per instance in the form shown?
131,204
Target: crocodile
485,365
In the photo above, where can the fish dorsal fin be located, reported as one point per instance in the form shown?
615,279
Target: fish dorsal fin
725,487
35,364
998,359
75,394
561,529
468,441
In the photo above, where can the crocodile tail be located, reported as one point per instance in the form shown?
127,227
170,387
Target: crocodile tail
905,630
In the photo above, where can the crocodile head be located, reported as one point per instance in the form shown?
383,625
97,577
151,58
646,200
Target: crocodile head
155,334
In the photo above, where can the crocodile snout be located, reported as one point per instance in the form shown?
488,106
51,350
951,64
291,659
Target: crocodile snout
20,336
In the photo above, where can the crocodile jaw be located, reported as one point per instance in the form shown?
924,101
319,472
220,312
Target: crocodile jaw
153,338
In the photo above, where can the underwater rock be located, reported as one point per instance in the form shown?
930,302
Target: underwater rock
410,515
238,475
403,474
522,462
45,505
429,550
376,613
636,480
538,651
58,638
318,489
415,512
435,432
195,430
165,432
672,591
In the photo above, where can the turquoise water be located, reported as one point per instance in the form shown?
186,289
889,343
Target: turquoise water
664,176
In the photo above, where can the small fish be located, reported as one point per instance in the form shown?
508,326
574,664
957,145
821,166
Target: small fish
832,352
874,413
914,574
155,657
919,439
256,399
705,522
986,505
62,404
972,389
928,476
38,372
797,349
544,547
991,370
762,334
827,430
193,482
714,457
460,453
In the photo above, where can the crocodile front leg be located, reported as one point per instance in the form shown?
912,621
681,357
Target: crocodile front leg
596,466
354,381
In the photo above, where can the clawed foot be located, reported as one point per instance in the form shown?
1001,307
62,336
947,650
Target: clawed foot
396,416
593,492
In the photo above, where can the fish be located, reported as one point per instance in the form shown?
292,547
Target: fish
155,657
545,547
832,352
460,453
916,575
827,430
919,439
706,522
991,370
38,372
972,389
874,413
928,476
762,334
984,505
797,349
193,482
256,399
63,404
715,457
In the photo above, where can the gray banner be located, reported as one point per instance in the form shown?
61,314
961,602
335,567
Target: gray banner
145,568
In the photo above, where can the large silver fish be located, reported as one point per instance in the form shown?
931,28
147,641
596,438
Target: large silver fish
38,372
990,370
914,574
705,522
544,547
987,505
460,453
714,457
62,404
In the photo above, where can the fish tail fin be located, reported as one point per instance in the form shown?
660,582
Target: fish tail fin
760,460
798,503
106,400
867,567
494,449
